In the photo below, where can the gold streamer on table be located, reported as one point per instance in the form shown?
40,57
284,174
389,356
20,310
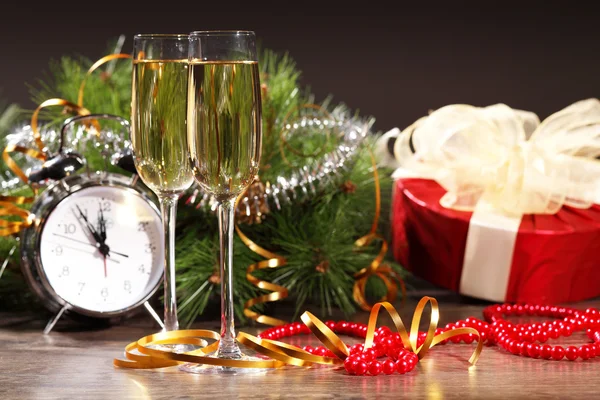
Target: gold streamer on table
282,354
8,204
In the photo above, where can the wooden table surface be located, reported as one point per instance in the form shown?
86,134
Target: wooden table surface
71,363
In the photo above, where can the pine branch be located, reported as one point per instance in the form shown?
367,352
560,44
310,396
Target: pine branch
316,237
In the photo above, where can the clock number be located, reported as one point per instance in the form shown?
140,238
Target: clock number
81,286
127,286
69,229
149,248
104,293
142,226
106,206
65,271
142,269
58,250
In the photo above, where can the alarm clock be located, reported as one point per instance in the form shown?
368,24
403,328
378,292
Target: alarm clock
96,246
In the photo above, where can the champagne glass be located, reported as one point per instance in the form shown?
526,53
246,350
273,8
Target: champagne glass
158,114
224,144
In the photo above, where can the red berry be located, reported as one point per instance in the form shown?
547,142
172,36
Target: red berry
533,350
375,368
340,327
455,339
524,350
356,348
402,366
412,359
513,347
370,353
389,367
348,364
292,330
469,338
361,368
584,352
320,351
541,336
546,351
558,353
571,353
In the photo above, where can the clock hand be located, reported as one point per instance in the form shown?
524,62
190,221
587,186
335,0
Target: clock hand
102,223
119,254
104,249
85,251
89,226
104,259
89,244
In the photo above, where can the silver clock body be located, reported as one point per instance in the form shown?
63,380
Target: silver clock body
140,271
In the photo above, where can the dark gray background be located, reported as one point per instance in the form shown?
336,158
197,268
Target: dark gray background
393,65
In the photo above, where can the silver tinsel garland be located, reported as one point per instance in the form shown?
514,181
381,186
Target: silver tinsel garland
298,185
315,177
111,145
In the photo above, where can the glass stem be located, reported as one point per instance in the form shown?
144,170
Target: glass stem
168,208
228,347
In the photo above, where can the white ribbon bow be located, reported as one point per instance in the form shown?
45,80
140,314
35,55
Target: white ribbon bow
507,157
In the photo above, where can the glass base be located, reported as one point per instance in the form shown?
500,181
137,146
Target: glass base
220,370
173,348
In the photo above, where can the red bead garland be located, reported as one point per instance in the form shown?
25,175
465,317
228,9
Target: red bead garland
521,338
525,339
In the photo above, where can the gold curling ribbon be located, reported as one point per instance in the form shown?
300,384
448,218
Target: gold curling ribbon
98,63
277,292
80,110
9,227
12,165
376,268
410,341
383,272
273,260
325,335
8,203
8,209
282,353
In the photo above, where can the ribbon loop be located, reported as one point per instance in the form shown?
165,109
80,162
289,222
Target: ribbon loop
277,292
325,335
10,210
484,153
97,64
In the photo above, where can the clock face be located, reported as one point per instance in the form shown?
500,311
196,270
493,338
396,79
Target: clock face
101,249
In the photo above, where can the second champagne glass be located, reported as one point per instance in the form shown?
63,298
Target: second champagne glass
224,142
158,113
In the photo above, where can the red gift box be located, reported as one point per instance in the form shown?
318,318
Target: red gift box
555,258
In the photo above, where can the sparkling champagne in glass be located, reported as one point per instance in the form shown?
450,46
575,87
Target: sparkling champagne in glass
158,114
224,143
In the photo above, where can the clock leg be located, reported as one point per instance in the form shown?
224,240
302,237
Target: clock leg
54,320
154,314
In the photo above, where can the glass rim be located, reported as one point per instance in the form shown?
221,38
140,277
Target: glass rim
222,32
160,36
